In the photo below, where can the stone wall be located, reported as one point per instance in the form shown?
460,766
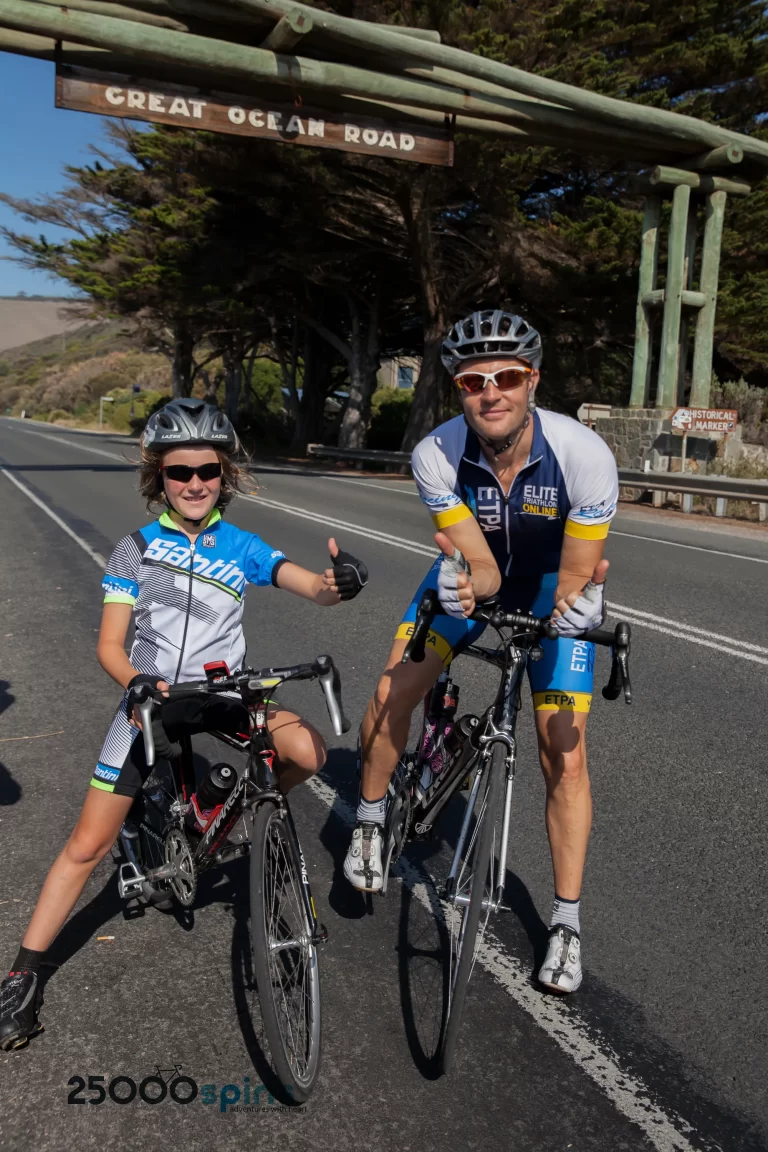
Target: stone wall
637,435
631,433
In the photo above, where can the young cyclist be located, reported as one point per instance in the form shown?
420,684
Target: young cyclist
183,580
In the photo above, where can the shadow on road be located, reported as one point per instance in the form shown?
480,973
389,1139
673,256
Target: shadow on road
10,789
6,698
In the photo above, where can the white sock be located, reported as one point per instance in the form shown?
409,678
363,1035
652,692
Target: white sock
566,912
372,811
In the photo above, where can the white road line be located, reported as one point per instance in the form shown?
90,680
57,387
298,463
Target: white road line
694,639
655,623
402,492
97,556
690,628
666,1131
661,624
692,547
82,447
355,529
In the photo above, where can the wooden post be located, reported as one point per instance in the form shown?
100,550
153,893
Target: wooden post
705,324
673,298
685,319
649,263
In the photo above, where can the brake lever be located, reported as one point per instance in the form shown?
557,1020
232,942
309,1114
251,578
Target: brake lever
415,648
330,681
145,711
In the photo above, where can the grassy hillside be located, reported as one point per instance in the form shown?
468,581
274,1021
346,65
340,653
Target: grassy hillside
61,379
27,318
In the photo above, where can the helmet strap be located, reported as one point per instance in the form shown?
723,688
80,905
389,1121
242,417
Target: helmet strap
500,446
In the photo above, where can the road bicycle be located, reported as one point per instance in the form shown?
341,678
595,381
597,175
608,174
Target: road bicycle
479,753
164,856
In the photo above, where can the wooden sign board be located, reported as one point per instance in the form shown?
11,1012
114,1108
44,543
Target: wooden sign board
110,94
715,421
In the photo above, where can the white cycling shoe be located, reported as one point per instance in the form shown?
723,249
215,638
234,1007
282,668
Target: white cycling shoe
561,970
362,865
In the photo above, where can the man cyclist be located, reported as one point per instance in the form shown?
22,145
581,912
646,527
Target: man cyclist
523,498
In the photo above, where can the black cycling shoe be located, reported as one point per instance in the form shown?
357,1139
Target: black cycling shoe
20,1002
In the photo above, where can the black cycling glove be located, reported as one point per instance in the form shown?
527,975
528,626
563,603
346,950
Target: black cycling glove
350,575
139,681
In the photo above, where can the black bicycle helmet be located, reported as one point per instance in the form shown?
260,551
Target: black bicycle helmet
189,422
488,335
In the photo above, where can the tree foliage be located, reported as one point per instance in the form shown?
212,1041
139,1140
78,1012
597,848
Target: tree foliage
225,250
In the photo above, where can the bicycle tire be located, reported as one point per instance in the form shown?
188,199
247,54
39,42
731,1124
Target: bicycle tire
291,1015
477,860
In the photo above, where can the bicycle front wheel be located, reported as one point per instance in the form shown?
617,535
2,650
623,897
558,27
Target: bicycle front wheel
284,954
470,901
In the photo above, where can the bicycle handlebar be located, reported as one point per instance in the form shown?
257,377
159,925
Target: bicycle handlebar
539,627
156,741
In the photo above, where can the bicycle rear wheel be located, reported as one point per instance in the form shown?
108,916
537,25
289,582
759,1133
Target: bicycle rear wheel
284,954
470,901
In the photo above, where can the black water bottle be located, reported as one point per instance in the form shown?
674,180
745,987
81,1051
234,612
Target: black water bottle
216,786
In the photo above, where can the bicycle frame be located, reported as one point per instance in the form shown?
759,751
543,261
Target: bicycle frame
499,728
256,785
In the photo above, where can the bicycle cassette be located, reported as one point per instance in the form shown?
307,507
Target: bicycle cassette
179,854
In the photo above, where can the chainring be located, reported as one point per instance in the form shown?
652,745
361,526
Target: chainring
177,851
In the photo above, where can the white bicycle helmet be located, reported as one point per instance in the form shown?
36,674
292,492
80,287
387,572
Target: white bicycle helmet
488,335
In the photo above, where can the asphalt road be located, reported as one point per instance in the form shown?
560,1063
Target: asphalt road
662,1048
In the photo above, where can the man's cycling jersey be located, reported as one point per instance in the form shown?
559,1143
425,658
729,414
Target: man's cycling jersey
188,598
569,486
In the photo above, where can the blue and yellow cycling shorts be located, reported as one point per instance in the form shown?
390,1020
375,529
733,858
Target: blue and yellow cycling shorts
560,682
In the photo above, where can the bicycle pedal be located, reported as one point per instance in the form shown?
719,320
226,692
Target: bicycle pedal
321,936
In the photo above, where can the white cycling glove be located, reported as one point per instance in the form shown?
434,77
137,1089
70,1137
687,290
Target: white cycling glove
447,587
587,613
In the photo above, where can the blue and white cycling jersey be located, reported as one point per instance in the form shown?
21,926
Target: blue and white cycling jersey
569,486
188,598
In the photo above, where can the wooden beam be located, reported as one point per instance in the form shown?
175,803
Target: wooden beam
258,67
122,12
592,105
723,157
674,177
287,33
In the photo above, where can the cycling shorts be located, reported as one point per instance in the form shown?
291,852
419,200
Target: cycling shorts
122,766
560,682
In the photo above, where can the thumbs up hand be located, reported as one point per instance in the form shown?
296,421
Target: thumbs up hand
454,581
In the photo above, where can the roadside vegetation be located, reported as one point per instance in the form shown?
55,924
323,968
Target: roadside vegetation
276,279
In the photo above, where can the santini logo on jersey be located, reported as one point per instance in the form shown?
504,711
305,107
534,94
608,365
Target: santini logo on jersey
540,501
225,572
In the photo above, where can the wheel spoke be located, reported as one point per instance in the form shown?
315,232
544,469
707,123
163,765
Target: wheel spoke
290,950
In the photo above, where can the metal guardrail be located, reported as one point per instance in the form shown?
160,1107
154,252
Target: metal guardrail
722,488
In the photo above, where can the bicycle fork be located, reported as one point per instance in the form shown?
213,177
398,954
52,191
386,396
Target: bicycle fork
493,902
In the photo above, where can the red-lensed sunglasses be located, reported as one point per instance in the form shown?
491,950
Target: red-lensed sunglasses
183,473
505,379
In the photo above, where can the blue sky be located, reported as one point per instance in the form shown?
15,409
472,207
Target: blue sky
36,141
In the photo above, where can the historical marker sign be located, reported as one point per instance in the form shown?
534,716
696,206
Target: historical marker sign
712,420
113,95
